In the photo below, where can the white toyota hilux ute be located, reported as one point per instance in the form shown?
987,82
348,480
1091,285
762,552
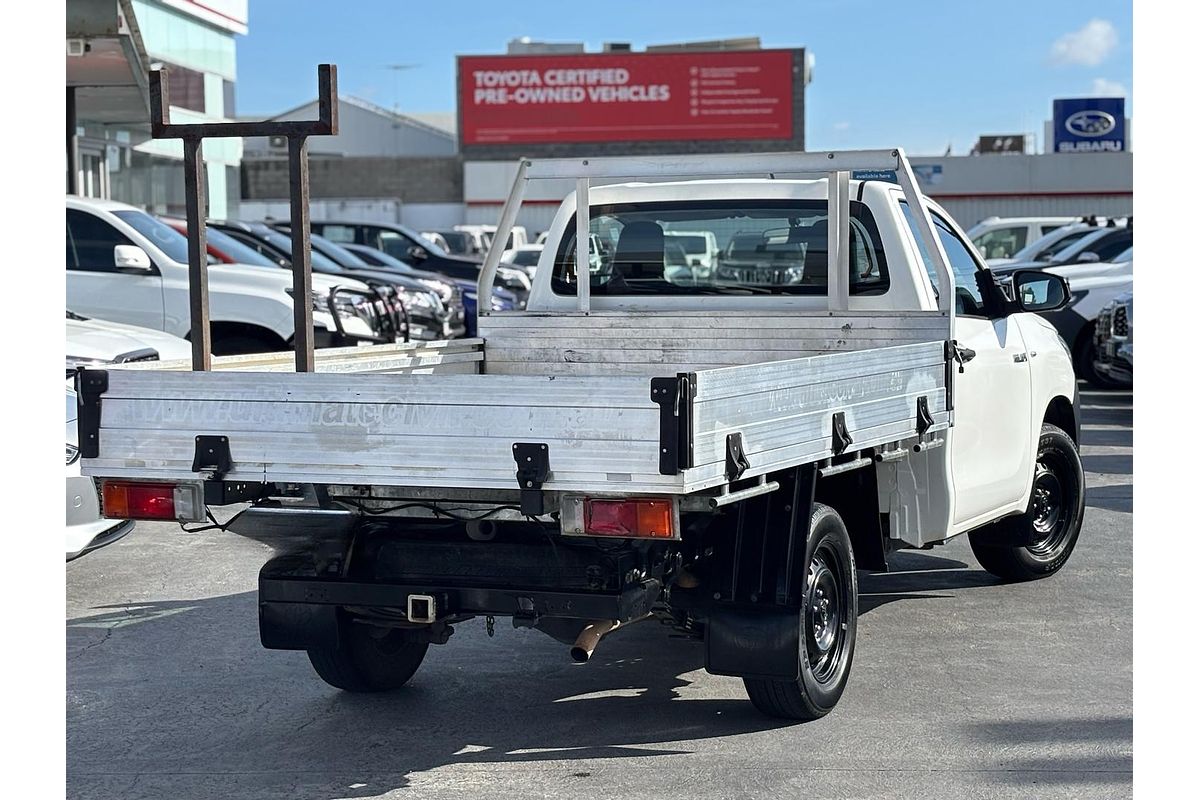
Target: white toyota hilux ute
720,452
123,265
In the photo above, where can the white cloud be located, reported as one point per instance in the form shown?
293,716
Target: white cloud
1103,87
1088,46
841,126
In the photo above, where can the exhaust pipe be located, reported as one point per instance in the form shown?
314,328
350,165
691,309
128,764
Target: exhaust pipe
589,637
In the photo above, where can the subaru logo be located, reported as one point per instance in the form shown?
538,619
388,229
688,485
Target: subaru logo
1090,123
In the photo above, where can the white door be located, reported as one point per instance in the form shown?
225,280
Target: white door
96,288
990,446
990,455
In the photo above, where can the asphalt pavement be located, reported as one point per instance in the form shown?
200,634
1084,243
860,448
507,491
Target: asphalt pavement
961,687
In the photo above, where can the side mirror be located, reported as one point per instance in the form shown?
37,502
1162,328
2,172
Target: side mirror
1034,290
418,253
131,258
1087,258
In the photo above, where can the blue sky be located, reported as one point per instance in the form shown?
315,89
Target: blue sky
917,73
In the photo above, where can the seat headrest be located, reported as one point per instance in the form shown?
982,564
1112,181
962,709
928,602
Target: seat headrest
641,251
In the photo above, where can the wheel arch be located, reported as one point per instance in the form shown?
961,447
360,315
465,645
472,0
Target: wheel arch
1063,413
854,495
226,328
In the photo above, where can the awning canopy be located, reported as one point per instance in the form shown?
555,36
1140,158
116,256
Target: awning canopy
107,63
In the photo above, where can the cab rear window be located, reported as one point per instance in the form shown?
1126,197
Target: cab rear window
719,247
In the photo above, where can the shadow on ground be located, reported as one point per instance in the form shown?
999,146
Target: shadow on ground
1067,750
238,710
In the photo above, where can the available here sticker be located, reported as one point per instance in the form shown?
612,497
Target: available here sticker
625,97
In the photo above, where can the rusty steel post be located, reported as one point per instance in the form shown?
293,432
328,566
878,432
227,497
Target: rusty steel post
297,132
301,253
197,206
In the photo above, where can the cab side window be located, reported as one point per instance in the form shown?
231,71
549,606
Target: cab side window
968,300
90,242
343,234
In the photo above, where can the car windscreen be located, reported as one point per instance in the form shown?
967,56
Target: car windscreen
1046,252
763,247
336,252
1080,245
456,241
526,258
238,252
692,245
283,242
171,242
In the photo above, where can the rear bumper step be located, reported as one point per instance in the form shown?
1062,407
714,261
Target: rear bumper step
294,612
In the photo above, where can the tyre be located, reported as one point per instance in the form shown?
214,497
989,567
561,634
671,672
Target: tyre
1053,519
829,624
368,658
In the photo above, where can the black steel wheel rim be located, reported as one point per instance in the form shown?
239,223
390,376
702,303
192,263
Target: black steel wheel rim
826,609
1050,506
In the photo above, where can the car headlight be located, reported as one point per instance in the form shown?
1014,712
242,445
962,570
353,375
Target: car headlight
419,299
443,290
318,299
353,305
513,278
72,454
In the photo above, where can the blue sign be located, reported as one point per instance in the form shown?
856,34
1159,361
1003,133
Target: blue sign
1089,125
874,175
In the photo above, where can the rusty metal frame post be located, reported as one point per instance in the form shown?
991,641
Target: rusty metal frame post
301,252
197,208
297,133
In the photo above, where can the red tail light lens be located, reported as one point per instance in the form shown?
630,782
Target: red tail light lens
653,519
127,500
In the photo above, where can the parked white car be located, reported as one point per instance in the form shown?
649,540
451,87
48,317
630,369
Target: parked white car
86,529
1093,286
1001,237
126,266
92,342
524,257
1046,247
698,249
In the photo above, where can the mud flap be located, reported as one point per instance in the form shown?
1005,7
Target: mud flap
297,626
762,642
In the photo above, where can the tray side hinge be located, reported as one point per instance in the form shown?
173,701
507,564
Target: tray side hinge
89,385
212,455
533,470
924,418
736,462
841,436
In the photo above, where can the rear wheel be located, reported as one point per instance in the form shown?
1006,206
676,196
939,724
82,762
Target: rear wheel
829,623
368,658
1052,521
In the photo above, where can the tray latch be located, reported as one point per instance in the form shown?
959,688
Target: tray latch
533,470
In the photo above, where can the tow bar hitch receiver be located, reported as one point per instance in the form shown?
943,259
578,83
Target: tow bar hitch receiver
422,608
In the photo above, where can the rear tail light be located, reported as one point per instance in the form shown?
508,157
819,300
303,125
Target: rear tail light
151,500
625,517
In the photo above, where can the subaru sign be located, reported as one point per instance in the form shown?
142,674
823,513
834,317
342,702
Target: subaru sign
1089,125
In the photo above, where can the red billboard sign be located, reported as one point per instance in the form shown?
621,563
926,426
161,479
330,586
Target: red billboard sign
614,97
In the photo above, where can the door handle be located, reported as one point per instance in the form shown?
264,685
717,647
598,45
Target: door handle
1020,358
